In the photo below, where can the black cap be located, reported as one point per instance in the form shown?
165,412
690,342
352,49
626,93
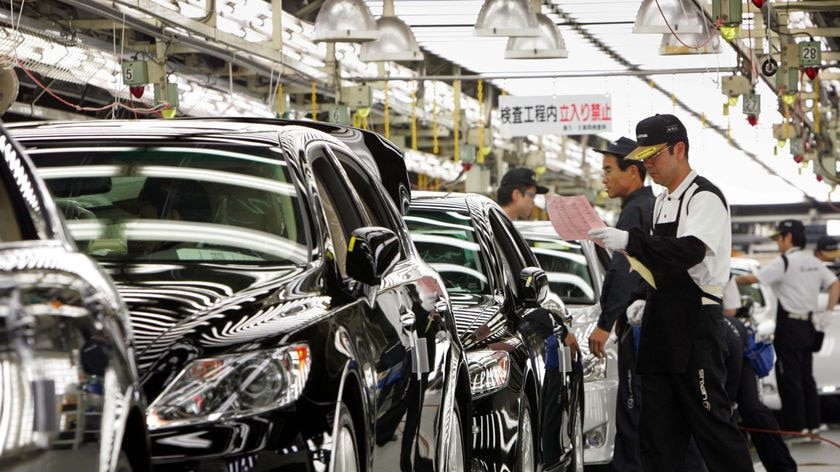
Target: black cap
789,226
655,133
523,176
620,148
828,244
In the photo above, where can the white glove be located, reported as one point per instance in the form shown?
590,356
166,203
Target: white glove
635,312
764,331
614,239
821,320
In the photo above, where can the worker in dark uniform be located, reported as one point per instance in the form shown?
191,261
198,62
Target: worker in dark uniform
625,180
681,349
742,387
797,278
517,192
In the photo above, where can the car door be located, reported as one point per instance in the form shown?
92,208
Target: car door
383,336
534,326
413,402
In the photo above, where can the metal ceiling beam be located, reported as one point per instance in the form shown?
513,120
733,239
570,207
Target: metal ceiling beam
547,75
827,32
169,25
809,5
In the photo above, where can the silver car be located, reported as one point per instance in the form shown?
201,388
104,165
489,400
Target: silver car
764,311
576,272
69,395
826,360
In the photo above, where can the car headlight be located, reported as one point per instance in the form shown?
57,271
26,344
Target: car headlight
489,371
223,387
594,368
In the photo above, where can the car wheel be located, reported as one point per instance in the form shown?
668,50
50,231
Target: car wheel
456,459
577,438
526,460
345,456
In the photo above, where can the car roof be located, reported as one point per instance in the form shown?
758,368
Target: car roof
537,229
380,156
455,201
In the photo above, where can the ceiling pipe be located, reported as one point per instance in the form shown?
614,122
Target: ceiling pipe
546,75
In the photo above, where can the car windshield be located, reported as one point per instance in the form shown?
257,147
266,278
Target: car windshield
567,269
213,203
446,240
751,290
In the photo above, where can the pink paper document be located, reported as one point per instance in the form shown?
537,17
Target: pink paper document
572,217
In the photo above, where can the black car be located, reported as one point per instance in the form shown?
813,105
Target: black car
527,386
69,391
576,271
283,317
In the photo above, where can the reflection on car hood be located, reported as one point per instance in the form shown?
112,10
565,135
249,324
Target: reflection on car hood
212,307
478,318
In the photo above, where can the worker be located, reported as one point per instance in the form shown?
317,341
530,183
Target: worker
827,249
742,386
796,277
623,179
517,192
681,352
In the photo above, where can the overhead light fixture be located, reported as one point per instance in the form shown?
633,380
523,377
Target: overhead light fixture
689,43
347,21
507,18
548,45
396,42
683,17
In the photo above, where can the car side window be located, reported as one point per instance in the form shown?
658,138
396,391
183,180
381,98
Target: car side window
374,199
10,229
504,240
341,209
19,220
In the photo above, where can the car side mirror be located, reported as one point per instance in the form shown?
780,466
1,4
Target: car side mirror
371,252
747,307
533,286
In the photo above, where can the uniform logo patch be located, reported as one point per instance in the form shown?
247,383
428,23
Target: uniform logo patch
701,374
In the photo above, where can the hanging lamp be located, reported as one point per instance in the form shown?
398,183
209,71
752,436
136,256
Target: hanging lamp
396,40
548,45
347,21
506,18
683,17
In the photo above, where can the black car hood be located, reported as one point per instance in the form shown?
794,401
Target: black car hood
210,308
478,318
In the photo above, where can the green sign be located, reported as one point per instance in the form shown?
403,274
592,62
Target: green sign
340,114
752,104
810,54
135,72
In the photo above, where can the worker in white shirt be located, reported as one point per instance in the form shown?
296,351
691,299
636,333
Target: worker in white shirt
681,350
797,278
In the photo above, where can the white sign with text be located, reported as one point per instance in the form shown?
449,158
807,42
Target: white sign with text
569,114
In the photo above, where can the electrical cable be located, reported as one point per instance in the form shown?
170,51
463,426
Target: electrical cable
790,433
668,24
76,107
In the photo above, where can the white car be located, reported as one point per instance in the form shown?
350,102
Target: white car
764,311
576,272
826,360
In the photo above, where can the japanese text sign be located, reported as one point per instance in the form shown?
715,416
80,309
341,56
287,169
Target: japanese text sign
570,114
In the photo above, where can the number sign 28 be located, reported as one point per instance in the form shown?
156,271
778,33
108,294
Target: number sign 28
809,54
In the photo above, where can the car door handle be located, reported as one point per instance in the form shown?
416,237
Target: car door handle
407,319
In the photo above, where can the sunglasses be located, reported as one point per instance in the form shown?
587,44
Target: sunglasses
655,156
